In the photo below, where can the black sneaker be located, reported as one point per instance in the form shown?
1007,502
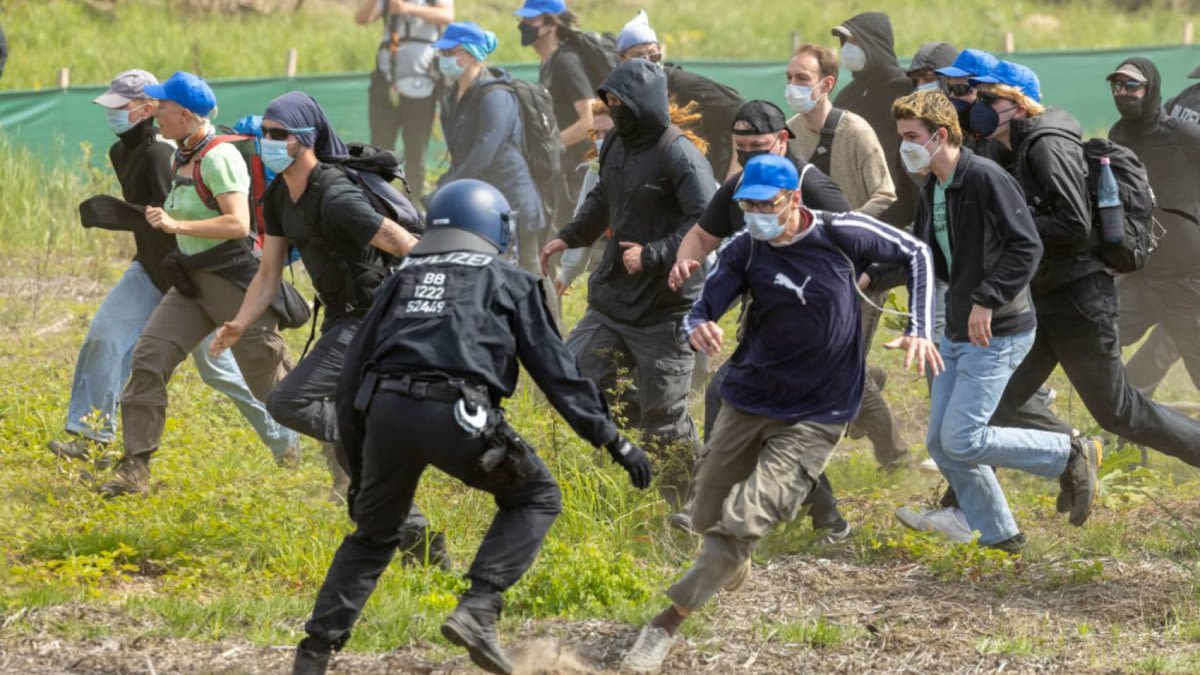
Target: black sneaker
473,625
419,546
311,659
1014,545
1080,477
76,448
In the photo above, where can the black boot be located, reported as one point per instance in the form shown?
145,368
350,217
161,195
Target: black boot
419,546
311,658
473,625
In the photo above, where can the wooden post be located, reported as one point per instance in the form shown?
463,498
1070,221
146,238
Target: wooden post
1189,32
64,78
795,42
292,58
1010,43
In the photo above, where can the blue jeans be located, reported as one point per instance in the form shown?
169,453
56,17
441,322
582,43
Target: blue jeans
105,360
965,447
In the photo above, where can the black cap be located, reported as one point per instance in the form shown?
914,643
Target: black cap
933,55
1195,74
759,117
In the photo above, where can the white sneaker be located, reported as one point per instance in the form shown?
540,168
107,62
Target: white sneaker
648,653
930,467
950,522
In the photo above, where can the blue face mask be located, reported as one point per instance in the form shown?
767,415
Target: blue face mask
449,67
764,226
275,154
118,121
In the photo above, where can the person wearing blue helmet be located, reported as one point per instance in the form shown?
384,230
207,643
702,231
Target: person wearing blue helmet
795,380
410,368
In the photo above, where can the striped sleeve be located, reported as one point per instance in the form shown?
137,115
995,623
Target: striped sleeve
725,283
867,240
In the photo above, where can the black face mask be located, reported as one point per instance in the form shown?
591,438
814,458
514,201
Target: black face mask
1130,107
964,113
624,121
745,156
529,33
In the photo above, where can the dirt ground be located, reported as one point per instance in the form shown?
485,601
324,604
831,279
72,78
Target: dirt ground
898,618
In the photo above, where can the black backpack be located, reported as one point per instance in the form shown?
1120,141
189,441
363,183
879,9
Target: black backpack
541,142
1142,230
598,51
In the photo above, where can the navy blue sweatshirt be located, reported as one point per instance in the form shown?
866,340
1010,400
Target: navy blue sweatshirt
801,358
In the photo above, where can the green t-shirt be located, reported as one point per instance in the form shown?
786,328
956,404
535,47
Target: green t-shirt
224,171
940,233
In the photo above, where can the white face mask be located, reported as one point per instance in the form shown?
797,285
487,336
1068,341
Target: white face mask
800,98
929,86
916,156
853,57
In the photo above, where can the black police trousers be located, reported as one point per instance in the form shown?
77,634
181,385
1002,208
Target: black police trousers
1077,327
393,459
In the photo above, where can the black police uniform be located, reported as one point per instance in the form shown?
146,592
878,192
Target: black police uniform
447,326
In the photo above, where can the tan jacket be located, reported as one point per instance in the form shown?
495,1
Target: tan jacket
857,166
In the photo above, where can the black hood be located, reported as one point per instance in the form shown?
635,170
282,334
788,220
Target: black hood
873,32
642,87
1152,108
1053,118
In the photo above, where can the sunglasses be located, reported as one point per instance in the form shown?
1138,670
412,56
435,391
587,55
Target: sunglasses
960,89
1130,86
759,207
282,133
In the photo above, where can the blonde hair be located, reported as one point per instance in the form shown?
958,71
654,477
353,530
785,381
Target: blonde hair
685,117
933,110
1009,93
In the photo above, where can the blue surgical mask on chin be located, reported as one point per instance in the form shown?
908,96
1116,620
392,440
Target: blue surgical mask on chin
275,155
764,226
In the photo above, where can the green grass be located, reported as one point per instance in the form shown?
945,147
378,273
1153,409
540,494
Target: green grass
229,546
45,35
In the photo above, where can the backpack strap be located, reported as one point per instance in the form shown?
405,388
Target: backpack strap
822,155
206,196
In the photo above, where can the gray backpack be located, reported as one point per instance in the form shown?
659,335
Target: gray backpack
406,56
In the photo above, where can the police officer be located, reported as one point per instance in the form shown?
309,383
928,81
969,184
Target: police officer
408,368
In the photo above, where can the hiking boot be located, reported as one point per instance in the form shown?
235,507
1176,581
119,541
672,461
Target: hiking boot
1014,545
311,659
649,651
682,522
290,458
418,546
341,479
1080,477
76,448
739,577
834,533
473,625
131,477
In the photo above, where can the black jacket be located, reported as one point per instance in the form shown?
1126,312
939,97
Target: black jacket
717,103
645,199
1186,105
1053,171
871,93
143,167
993,242
419,323
1170,149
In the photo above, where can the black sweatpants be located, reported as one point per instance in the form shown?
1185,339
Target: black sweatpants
1172,308
393,459
1077,327
412,119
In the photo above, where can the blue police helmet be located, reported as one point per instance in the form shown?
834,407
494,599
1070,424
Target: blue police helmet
467,215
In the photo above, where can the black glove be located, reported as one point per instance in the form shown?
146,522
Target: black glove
636,463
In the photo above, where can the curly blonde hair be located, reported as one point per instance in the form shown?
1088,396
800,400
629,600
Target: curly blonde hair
687,118
933,110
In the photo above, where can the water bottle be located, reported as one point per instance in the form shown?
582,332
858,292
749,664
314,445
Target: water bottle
1108,200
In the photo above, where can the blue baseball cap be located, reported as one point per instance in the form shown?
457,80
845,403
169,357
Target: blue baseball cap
970,63
1014,75
765,176
477,41
187,90
533,8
